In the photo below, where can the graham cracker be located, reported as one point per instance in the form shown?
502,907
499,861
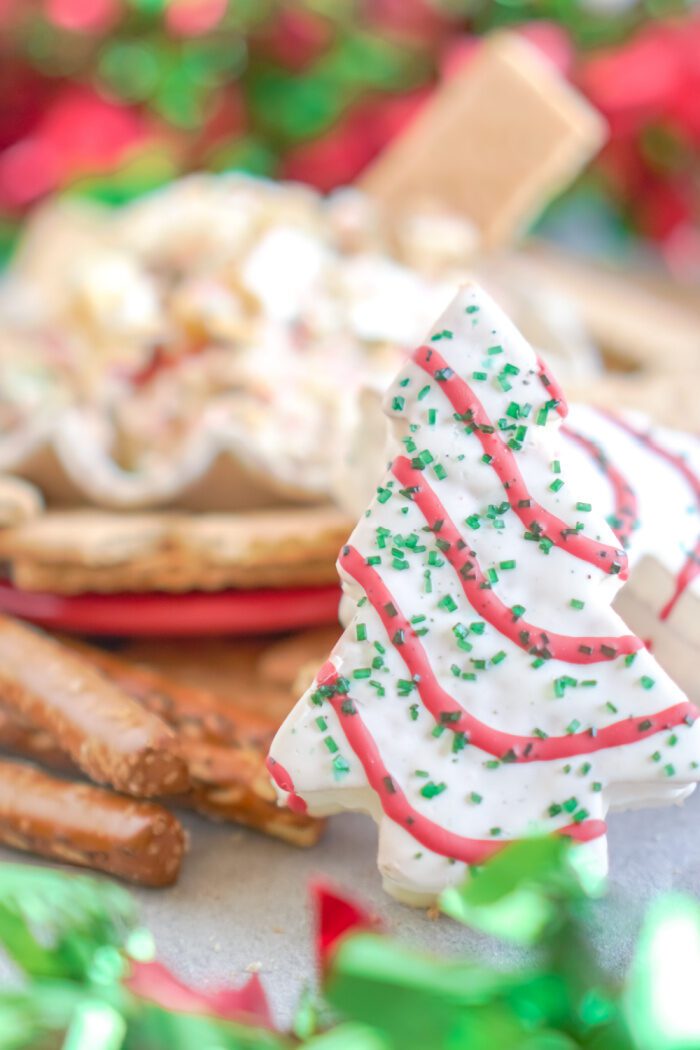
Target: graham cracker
85,550
495,143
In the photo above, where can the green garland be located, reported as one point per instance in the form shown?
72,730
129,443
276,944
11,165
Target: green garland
75,939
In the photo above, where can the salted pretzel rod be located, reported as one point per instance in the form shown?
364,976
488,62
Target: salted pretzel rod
19,739
108,735
88,826
195,713
228,784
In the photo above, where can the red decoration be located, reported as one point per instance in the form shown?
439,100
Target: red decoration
80,133
155,982
336,916
194,17
83,16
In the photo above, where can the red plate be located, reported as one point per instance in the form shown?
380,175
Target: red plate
175,615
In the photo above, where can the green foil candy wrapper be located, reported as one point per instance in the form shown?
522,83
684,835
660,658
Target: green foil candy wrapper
74,939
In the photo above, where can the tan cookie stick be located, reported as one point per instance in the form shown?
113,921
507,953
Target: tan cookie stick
89,826
495,142
105,732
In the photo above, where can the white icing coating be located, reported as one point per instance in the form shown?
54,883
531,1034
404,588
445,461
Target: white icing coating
668,514
470,792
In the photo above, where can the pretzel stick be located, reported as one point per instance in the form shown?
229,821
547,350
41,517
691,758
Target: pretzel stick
89,826
106,733
228,783
196,713
19,739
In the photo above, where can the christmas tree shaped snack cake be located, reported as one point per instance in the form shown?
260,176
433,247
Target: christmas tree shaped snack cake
484,689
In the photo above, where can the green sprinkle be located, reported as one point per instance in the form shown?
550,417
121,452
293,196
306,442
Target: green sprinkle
596,785
517,611
476,798
430,790
432,416
340,767
331,744
493,350
556,485
629,659
486,458
499,657
611,707
670,770
554,810
583,506
440,472
413,712
423,392
398,404
448,603
361,632
510,564
473,521
646,682
570,805
479,376
556,466
496,832
362,672
322,724
576,603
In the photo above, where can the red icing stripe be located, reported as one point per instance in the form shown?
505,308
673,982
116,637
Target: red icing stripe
284,781
467,405
484,601
553,388
397,807
691,568
625,499
448,712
